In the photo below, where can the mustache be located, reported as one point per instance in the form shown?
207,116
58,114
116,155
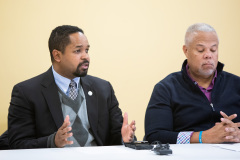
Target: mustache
208,63
84,62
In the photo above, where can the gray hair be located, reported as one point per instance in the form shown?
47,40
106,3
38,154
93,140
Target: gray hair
197,27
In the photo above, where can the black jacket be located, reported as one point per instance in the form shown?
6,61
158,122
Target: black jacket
4,145
177,104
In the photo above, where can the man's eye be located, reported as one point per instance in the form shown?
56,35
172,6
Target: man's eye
214,49
77,51
87,50
201,51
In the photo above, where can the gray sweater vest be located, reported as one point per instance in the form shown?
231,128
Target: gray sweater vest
77,111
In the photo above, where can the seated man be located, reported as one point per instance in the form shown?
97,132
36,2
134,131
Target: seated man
65,107
187,106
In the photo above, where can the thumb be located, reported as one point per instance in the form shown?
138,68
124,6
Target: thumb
65,123
67,118
125,119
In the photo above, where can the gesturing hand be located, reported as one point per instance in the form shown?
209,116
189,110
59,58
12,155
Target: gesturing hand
63,133
128,131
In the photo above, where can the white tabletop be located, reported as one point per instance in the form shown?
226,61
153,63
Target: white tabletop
180,152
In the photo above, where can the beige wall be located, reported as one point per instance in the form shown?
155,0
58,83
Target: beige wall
134,43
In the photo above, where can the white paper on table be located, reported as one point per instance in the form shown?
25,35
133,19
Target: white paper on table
229,146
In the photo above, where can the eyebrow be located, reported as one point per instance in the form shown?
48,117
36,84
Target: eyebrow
203,45
80,46
214,45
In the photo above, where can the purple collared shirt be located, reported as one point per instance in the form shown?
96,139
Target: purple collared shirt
206,91
184,137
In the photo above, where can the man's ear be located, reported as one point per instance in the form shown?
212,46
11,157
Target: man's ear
185,50
56,55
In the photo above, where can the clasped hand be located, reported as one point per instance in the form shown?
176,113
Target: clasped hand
224,131
232,129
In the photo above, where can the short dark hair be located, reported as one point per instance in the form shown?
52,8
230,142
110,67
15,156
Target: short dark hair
59,38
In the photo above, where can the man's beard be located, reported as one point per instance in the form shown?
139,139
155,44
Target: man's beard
78,72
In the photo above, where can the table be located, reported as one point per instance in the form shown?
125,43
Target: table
180,152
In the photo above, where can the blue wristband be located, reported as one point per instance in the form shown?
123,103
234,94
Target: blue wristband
200,136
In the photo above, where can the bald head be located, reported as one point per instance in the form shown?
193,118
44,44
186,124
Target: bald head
194,29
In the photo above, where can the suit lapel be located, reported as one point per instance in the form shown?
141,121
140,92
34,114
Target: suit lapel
50,92
91,101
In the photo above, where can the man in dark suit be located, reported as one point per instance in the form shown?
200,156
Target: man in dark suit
64,106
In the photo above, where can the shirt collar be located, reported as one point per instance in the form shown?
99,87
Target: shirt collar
63,82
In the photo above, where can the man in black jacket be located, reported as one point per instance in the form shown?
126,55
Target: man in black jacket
187,106
64,106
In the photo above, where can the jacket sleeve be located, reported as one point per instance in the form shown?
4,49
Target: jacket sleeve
159,116
116,119
21,122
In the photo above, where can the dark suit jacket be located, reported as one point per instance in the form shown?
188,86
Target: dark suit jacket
4,145
35,111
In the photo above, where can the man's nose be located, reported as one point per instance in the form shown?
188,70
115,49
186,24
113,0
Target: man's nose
208,54
85,55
